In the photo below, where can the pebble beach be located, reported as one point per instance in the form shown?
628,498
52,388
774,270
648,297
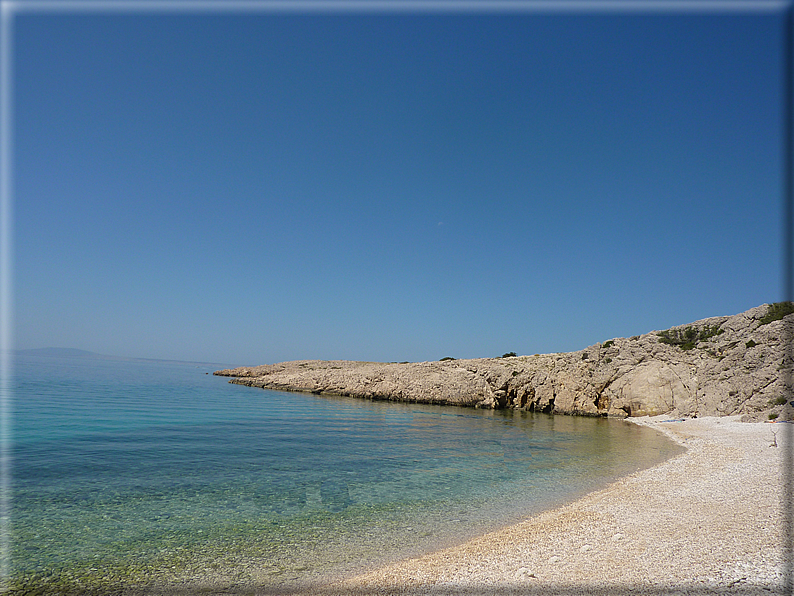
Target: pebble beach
710,520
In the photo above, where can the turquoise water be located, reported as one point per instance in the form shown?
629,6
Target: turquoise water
151,474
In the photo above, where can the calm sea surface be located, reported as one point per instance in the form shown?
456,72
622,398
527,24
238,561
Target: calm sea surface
146,473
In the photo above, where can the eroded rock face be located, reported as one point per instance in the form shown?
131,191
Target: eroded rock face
733,365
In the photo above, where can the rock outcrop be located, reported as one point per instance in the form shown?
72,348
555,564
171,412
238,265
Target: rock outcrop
730,365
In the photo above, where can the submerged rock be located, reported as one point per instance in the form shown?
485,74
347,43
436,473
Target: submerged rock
730,365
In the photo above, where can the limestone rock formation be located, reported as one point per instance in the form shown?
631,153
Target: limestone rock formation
730,365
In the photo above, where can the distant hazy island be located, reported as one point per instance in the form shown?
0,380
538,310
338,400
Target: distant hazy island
76,353
738,365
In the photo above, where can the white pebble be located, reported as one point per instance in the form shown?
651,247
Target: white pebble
554,559
617,536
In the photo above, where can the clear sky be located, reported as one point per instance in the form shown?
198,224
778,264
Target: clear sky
256,187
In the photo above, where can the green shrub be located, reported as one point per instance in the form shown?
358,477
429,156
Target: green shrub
779,401
688,337
608,344
445,358
751,344
777,311
508,355
585,356
607,360
773,415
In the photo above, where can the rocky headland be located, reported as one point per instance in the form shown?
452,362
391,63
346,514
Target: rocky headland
739,365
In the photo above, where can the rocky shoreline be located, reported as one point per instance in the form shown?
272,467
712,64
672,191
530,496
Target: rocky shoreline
739,365
709,521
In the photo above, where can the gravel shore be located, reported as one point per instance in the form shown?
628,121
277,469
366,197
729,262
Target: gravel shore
710,520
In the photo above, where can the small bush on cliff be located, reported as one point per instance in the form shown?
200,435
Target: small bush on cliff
446,358
608,344
750,344
777,311
688,337
508,355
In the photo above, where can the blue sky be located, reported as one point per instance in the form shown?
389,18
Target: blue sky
257,187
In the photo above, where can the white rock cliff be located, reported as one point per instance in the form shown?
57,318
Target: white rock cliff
730,365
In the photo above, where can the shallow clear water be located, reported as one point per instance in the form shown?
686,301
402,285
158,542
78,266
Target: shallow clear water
131,473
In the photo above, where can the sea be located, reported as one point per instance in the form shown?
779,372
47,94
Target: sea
156,476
